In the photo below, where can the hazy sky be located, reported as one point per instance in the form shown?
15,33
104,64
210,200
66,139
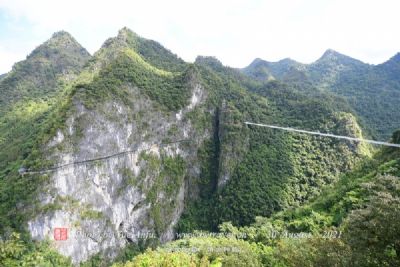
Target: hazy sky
234,31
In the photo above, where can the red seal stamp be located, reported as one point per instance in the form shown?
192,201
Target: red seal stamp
60,234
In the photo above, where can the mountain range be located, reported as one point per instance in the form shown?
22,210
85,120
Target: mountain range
134,157
371,90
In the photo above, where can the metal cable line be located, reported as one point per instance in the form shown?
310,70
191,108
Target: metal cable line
51,169
324,134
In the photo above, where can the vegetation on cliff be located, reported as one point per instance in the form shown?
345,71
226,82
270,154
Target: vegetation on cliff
274,198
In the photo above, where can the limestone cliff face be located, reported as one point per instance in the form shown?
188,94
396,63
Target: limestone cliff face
118,199
132,143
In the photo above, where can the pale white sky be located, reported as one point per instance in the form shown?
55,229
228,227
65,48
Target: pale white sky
234,31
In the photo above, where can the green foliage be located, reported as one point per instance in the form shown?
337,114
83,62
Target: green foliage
33,105
251,190
372,91
245,171
167,88
130,251
91,214
332,206
396,137
155,258
33,123
312,252
373,232
19,192
367,202
151,51
15,252
202,252
196,215
270,170
168,173
370,236
133,249
129,178
44,71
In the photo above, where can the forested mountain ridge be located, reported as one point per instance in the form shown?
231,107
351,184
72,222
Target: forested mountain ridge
29,95
141,142
93,103
371,90
390,68
30,90
264,70
57,60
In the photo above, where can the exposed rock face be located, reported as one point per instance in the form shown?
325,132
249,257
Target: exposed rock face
109,202
140,134
231,150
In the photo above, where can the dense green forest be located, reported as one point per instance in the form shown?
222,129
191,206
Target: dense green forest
371,90
354,223
263,197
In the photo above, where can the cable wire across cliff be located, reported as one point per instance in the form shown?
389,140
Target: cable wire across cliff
23,171
289,129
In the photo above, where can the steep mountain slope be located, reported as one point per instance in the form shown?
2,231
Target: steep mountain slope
141,137
151,51
27,93
354,223
104,113
263,171
390,69
39,76
331,66
372,91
